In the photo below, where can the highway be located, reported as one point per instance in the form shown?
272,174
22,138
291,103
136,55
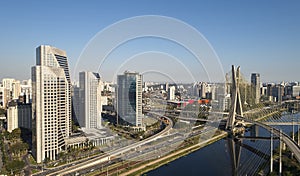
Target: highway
111,154
154,150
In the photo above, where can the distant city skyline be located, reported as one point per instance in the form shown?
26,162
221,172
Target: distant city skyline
262,37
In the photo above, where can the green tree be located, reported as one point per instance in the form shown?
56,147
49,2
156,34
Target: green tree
203,112
7,135
2,111
16,133
15,166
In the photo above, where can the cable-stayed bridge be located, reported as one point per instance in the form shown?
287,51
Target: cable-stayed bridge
237,118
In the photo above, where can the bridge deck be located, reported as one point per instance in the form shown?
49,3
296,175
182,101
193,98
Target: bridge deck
293,146
282,123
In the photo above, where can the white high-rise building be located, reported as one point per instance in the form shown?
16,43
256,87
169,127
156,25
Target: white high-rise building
11,90
12,118
129,98
16,89
51,103
26,90
18,115
295,91
90,100
171,93
203,90
7,84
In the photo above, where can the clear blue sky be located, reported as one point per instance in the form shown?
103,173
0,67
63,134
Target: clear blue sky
259,35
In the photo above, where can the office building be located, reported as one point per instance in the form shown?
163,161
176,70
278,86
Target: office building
255,83
171,93
263,90
7,84
129,98
18,115
26,90
16,90
278,92
167,86
203,90
90,100
12,118
11,90
51,103
75,103
6,97
275,92
295,91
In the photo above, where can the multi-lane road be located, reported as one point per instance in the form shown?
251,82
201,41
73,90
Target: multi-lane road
110,155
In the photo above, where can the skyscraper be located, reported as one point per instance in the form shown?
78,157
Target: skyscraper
18,115
203,90
16,89
171,93
90,100
255,83
7,91
26,90
8,83
51,103
129,98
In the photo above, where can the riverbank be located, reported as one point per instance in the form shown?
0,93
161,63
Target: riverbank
146,167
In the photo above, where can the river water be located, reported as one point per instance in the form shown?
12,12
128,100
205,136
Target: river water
216,159
210,160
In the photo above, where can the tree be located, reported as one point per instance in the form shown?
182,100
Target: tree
15,166
16,133
287,173
7,135
2,111
203,112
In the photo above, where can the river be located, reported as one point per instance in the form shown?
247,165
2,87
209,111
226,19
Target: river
215,159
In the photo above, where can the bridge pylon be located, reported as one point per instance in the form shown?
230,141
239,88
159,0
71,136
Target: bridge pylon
236,103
